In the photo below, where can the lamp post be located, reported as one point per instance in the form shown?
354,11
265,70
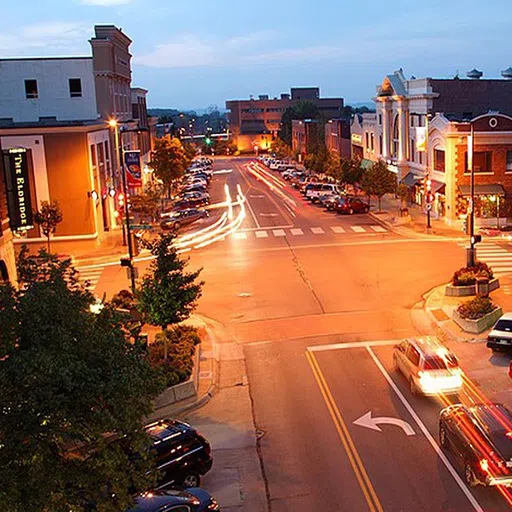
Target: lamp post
471,252
128,263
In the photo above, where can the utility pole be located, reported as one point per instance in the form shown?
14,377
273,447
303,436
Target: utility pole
471,252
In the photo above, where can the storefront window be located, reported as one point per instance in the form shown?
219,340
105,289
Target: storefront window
439,160
482,162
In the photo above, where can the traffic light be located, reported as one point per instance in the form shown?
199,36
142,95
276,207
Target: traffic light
120,201
208,140
126,262
475,239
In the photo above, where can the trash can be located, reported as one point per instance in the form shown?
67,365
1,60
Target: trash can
482,286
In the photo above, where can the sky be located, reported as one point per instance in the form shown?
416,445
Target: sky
195,54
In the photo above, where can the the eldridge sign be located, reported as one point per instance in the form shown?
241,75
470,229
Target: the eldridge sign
18,189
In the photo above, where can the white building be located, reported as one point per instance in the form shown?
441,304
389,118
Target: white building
47,89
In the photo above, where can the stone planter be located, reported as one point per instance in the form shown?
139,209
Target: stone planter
480,325
466,291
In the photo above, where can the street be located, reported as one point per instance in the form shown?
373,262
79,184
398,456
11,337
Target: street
317,300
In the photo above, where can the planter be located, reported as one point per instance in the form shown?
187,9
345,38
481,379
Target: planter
466,291
480,325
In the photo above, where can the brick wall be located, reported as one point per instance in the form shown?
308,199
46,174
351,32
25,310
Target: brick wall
3,197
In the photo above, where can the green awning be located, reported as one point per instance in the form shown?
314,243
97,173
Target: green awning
490,189
365,163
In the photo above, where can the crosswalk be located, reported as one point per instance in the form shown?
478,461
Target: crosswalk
89,277
499,259
316,231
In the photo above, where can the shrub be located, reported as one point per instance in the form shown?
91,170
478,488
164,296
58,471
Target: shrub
466,276
476,308
124,299
181,341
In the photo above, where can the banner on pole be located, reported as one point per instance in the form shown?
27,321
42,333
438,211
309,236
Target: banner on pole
421,138
132,167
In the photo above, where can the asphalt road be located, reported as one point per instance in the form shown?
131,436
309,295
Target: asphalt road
317,300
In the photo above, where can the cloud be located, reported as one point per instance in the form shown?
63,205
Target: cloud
106,3
43,37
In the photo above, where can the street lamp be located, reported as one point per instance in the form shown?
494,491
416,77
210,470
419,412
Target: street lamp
471,253
115,124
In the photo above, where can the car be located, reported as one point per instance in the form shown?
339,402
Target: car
175,500
325,188
183,455
351,205
480,438
329,201
195,180
194,188
194,194
176,219
200,174
500,337
183,204
429,367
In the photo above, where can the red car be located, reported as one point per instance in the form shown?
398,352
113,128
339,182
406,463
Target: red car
350,205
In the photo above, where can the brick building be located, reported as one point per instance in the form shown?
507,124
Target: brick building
250,120
305,136
337,137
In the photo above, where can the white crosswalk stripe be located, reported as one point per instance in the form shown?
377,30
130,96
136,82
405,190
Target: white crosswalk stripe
90,277
317,231
499,259
240,236
358,229
296,231
269,232
279,232
378,229
261,234
338,229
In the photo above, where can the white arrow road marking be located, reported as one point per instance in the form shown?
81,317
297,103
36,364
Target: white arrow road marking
268,214
223,171
367,421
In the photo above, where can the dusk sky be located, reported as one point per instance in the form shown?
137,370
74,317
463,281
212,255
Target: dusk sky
193,54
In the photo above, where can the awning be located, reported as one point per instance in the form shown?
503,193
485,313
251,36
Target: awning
491,189
365,163
437,186
411,179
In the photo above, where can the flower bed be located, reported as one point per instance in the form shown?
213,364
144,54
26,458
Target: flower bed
466,276
476,308
477,315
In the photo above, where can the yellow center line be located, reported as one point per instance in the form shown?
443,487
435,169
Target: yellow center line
355,461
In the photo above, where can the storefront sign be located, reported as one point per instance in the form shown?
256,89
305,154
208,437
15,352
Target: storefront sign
133,171
421,138
18,189
356,138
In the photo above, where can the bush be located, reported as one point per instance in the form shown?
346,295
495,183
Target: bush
124,299
476,308
466,276
181,341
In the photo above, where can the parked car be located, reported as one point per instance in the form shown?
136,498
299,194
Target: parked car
182,454
324,188
329,202
176,219
195,180
500,337
480,438
194,188
350,205
183,204
429,367
189,500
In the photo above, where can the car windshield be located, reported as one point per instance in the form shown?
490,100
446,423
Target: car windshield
494,419
504,325
437,362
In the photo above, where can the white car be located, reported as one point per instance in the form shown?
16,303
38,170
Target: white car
429,367
322,189
500,337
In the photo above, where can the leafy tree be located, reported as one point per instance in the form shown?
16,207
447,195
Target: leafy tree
146,203
303,110
351,172
403,192
190,150
281,149
378,180
72,384
47,218
168,294
333,166
169,161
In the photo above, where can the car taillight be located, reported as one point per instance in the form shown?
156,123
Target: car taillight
484,464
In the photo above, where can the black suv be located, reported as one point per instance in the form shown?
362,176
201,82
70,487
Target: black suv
480,438
192,500
182,454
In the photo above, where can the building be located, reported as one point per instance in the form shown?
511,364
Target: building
305,136
7,260
250,120
54,115
337,137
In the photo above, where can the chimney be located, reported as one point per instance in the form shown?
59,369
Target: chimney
474,74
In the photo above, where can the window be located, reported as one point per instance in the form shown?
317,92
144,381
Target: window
413,150
482,161
93,155
439,161
413,355
75,87
31,90
367,141
380,119
380,145
372,143
509,161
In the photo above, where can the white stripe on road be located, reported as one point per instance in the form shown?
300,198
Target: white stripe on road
358,229
426,433
496,258
503,270
261,234
239,236
317,231
378,229
279,232
296,231
338,229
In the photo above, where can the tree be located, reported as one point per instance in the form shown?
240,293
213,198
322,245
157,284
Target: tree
281,149
303,110
168,294
190,150
378,180
333,166
351,172
47,218
403,192
169,161
146,203
72,384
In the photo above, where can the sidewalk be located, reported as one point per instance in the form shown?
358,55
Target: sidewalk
415,224
487,370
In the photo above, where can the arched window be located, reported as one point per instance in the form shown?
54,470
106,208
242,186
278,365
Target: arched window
396,137
4,274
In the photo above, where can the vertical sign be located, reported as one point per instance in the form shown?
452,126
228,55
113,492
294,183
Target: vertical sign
421,138
133,171
470,152
18,189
